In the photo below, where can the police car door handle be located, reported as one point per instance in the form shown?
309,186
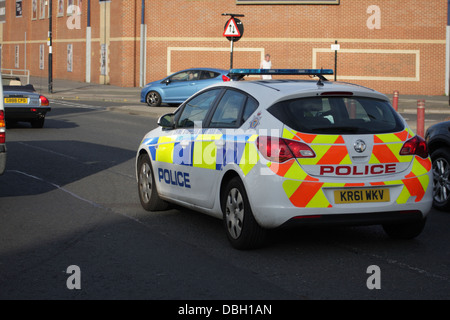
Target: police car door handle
220,143
184,143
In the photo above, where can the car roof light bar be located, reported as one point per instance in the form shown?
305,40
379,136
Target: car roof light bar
238,74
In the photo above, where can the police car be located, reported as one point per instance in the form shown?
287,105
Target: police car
268,153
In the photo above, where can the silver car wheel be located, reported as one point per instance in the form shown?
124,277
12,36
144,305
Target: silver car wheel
441,173
145,182
234,213
153,98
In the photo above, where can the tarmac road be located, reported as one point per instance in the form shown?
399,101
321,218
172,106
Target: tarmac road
69,197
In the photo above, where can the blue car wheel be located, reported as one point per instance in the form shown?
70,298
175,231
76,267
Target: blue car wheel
153,99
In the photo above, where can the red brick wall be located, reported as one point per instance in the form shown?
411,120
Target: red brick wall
407,53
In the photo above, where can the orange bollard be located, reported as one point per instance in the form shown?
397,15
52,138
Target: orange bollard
395,100
421,118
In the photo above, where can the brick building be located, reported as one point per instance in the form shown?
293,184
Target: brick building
384,44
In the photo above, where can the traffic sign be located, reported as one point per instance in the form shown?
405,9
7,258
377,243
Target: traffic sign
234,29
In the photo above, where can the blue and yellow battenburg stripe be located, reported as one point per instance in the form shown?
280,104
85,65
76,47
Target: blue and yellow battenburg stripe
205,150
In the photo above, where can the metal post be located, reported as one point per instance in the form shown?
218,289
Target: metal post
231,53
142,53
421,118
50,53
335,62
88,43
25,53
395,100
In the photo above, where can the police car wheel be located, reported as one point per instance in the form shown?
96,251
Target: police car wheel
404,231
148,194
153,99
241,228
441,177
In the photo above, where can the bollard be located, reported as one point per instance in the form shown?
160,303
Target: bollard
395,100
421,118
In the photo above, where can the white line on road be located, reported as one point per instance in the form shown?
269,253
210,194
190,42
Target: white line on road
76,105
92,203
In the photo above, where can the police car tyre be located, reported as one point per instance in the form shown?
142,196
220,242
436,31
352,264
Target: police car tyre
148,194
38,123
441,176
241,228
153,99
405,231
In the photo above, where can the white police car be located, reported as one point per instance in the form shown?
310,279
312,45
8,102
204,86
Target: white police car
266,153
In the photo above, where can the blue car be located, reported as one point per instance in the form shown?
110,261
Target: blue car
176,88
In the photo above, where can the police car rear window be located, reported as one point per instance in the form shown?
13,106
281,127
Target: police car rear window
343,115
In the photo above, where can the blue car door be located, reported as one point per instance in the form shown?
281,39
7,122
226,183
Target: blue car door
181,86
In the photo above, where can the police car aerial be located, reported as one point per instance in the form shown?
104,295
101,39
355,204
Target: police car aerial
267,153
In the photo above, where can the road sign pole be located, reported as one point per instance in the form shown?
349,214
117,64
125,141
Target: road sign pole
231,53
335,63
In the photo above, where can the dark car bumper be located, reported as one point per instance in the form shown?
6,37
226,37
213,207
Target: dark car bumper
25,113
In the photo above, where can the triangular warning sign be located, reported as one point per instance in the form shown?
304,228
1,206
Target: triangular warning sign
231,29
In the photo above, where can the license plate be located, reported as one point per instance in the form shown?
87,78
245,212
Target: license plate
361,196
16,100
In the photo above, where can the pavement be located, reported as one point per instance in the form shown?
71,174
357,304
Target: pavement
127,99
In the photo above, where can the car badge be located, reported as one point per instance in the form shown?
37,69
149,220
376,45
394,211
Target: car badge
360,146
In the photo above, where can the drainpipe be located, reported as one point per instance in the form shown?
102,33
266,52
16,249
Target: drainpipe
143,43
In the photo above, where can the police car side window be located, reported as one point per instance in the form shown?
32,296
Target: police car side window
229,110
250,107
196,109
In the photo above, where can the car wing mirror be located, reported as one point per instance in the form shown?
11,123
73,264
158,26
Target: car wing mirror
166,121
167,81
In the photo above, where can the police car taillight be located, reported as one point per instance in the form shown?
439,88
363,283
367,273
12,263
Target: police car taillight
415,146
281,150
225,78
2,127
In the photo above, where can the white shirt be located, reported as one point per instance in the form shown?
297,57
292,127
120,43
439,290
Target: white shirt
266,65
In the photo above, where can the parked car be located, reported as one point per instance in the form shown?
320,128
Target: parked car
438,140
269,153
176,88
23,103
2,134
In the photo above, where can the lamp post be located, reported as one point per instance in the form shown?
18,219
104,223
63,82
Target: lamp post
50,54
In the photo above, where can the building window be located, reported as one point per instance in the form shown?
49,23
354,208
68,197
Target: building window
41,57
74,7
33,9
60,11
70,8
41,9
18,8
16,58
69,58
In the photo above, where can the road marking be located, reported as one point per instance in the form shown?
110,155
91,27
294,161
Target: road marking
76,105
76,196
394,262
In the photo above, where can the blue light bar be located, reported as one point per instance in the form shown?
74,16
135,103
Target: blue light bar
290,72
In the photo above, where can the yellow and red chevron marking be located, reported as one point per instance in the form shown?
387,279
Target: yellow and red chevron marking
387,147
305,191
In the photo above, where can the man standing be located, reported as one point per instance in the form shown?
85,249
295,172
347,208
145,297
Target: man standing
266,64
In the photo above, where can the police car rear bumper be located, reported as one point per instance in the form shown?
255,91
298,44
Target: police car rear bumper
362,219
272,208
